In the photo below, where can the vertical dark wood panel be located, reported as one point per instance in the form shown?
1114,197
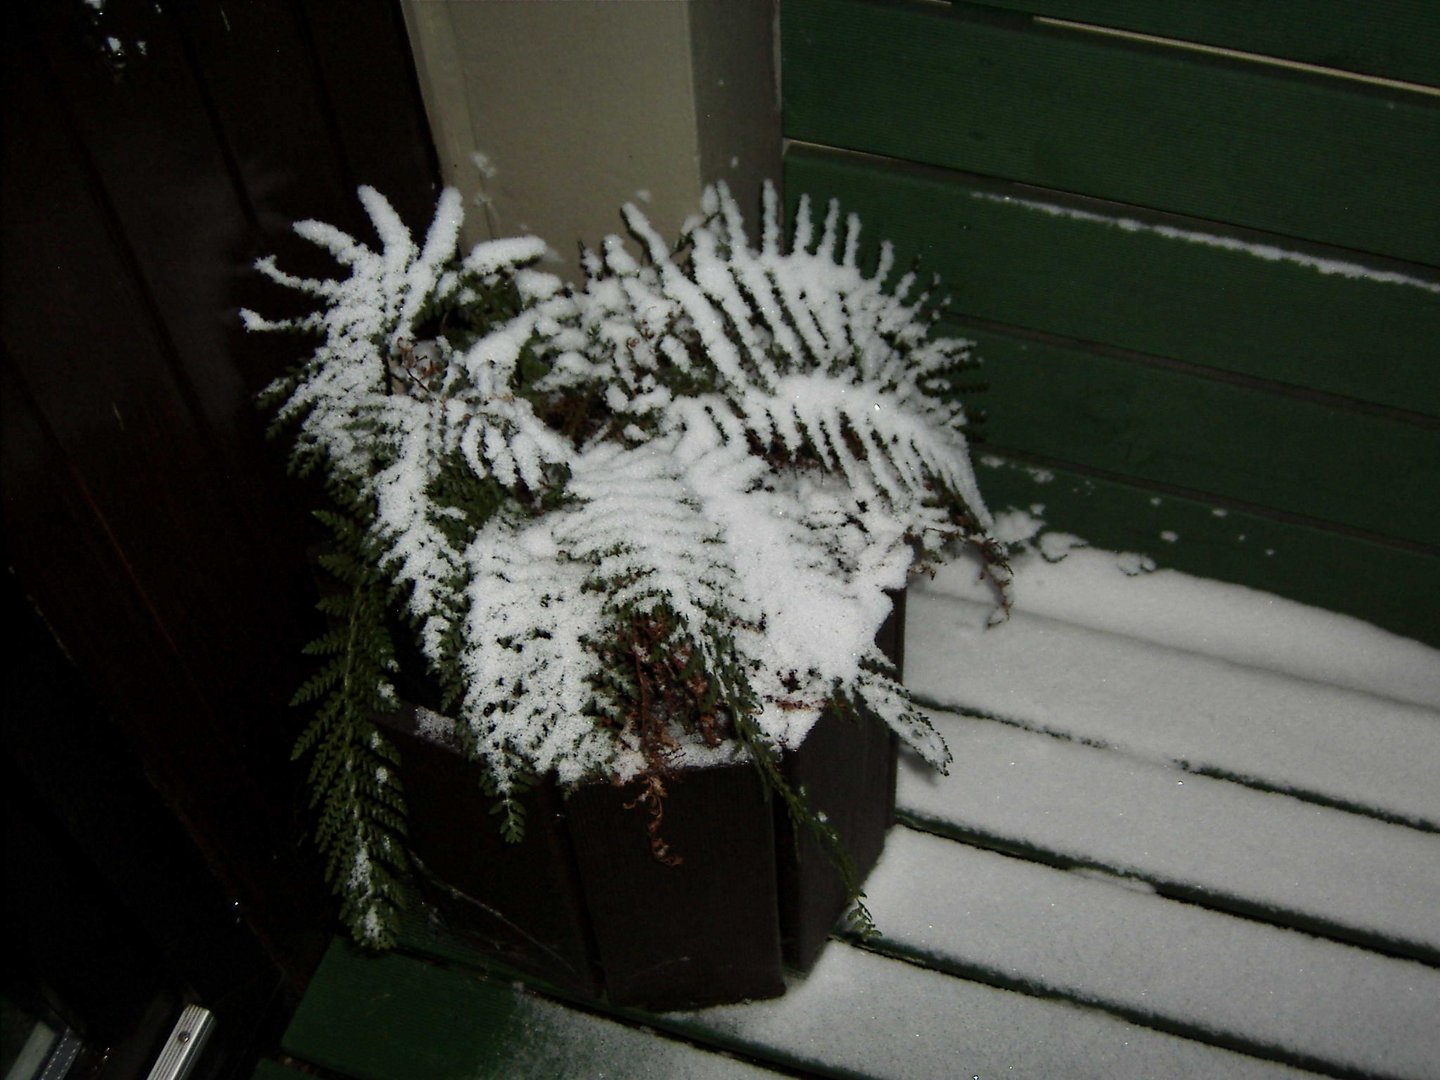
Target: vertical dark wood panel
64,553
519,903
369,79
139,887
151,152
159,188
182,220
250,60
89,341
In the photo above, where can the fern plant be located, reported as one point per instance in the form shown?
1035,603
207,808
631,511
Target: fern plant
636,525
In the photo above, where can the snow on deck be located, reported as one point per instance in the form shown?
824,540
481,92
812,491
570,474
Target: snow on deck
859,1014
1164,961
1191,830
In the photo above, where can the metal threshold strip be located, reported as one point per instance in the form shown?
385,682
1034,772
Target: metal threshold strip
185,1044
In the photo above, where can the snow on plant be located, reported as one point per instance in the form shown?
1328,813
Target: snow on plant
635,524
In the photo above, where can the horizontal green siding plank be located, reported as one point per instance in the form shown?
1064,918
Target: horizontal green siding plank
1183,429
1392,39
1327,159
1146,283
1390,587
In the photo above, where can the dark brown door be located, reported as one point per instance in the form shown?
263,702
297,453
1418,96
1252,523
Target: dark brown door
152,150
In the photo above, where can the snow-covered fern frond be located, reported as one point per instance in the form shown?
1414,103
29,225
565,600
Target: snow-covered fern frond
344,395
527,665
796,352
641,523
666,664
879,692
638,524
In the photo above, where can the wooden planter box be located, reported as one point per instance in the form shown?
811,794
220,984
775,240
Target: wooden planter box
582,904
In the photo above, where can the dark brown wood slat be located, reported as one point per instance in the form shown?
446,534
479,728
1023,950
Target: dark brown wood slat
147,511
164,431
1094,272
363,54
1392,587
63,550
384,1017
690,934
274,1070
141,179
184,227
1396,39
581,902
110,397
520,903
150,143
1214,138
847,768
269,107
1182,428
148,872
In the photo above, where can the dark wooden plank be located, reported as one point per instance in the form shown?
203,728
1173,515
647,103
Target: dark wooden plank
160,192
274,1070
1086,270
149,870
395,1017
131,427
1390,586
145,515
389,1016
64,552
124,524
847,768
1212,137
1315,459
1396,39
582,902
184,225
520,904
270,111
701,931
363,54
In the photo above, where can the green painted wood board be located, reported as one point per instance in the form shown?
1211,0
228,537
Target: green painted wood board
399,1017
427,937
272,1070
1394,588
1302,457
389,1017
1083,270
963,87
1393,39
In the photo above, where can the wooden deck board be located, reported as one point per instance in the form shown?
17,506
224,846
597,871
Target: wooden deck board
857,1014
1213,928
399,1017
1213,842
273,1070
1166,964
